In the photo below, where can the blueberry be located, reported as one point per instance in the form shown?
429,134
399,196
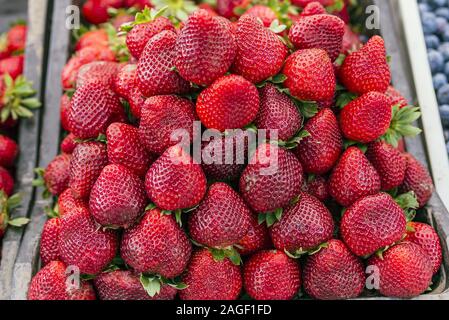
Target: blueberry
446,135
441,24
443,95
442,12
429,23
444,50
446,69
432,42
438,3
436,61
444,114
439,80
424,7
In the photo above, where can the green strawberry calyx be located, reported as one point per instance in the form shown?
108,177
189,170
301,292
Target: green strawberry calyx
270,218
142,17
177,213
402,124
231,253
153,284
301,252
7,204
409,203
40,182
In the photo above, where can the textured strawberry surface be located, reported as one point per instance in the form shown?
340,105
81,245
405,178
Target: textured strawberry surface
49,246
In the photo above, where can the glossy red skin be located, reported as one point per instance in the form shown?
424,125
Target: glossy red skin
123,285
272,275
264,13
125,80
57,174
367,118
98,71
231,102
67,203
427,238
396,97
64,112
351,41
156,245
260,53
310,75
418,180
318,187
303,226
84,244
226,8
205,49
372,223
6,181
8,151
256,239
320,151
136,101
272,179
321,31
174,181
353,178
16,38
313,8
334,273
207,279
96,11
405,271
139,4
367,69
68,145
92,38
49,245
50,284
304,3
389,163
12,66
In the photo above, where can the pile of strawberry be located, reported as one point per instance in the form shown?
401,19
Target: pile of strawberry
138,218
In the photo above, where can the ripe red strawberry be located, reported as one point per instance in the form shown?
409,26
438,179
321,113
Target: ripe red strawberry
367,69
155,70
138,4
208,279
84,244
175,181
322,31
125,285
141,33
334,273
88,160
161,117
303,226
136,101
264,13
125,80
405,271
310,75
205,49
52,283
16,38
49,246
278,112
8,151
353,178
12,66
367,118
313,8
318,187
372,223
68,145
6,181
272,179
418,180
93,108
103,72
389,163
93,38
64,111
125,148
396,98
227,8
231,102
427,238
221,220
256,239
67,202
304,3
57,174
272,275
156,245
260,53
118,197
351,41
96,11
320,151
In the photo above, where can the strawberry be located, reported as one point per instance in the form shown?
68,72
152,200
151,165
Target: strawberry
278,112
138,4
227,8
88,160
367,118
6,182
155,73
264,13
208,279
136,101
49,246
221,220
272,179
260,53
64,112
92,109
16,38
156,245
322,31
12,66
125,148
56,176
310,75
231,102
367,70
304,226
304,3
372,223
351,41
389,164
67,202
256,239
396,98
317,186
96,11
313,8
82,243
68,145
92,38
125,285
125,80
405,271
324,143
161,118
427,238
272,275
50,283
118,197
353,178
175,182
418,180
334,273
205,49
103,72
8,151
